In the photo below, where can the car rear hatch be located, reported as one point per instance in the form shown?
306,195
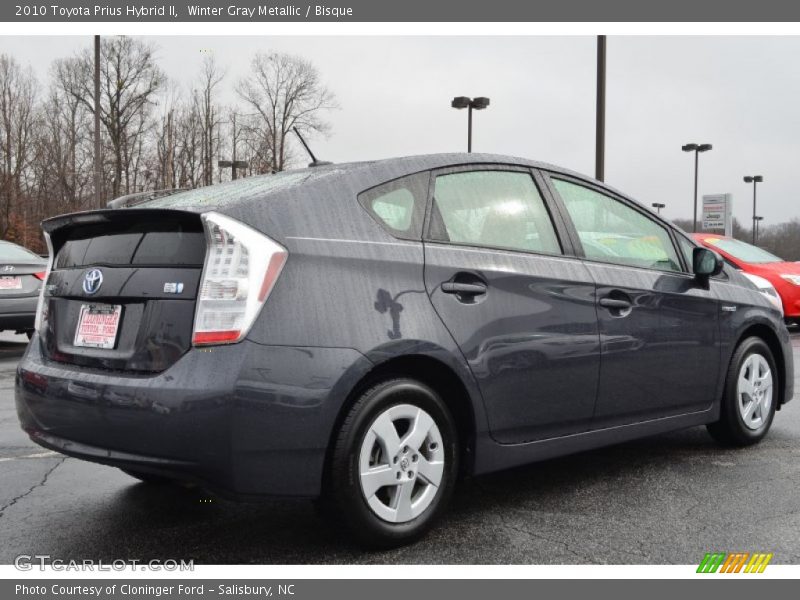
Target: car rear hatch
122,288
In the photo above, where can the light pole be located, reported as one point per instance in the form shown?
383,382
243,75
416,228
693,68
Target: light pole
757,220
233,164
754,179
600,112
697,149
658,206
98,163
478,103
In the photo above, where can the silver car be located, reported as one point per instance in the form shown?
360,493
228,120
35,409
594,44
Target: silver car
21,275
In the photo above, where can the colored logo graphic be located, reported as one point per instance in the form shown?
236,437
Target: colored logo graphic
737,562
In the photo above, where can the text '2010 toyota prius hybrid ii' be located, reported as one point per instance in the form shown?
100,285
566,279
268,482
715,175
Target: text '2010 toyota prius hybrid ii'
367,333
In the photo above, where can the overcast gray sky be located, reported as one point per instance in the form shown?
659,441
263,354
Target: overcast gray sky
742,94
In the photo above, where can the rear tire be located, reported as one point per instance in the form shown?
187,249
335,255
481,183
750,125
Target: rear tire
750,398
393,465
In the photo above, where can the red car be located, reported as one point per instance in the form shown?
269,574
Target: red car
783,275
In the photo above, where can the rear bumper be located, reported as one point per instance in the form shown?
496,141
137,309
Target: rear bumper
244,420
18,314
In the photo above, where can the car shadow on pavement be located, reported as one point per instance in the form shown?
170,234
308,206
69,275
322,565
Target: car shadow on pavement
12,349
637,481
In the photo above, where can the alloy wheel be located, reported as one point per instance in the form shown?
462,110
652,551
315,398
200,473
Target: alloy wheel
754,391
401,463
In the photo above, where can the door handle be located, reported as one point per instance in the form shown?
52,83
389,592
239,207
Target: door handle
465,289
615,304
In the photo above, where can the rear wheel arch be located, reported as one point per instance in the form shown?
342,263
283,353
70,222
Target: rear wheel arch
435,374
770,338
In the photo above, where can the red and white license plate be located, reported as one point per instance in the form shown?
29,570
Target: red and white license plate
10,283
98,325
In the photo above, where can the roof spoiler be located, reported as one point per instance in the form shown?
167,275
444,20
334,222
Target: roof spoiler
108,216
142,197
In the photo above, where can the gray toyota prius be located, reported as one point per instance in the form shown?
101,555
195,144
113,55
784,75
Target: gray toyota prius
368,333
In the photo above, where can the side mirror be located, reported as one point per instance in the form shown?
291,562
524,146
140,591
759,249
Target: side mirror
706,263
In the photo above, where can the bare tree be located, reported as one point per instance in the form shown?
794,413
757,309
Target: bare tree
18,89
130,81
63,163
187,137
153,136
208,109
286,91
189,143
164,160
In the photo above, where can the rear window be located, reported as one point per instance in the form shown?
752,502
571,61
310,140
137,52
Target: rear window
743,251
11,253
180,247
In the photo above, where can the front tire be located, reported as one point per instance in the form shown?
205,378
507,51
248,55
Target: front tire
751,396
394,464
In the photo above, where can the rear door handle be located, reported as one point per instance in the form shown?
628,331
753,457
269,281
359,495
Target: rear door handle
465,289
615,304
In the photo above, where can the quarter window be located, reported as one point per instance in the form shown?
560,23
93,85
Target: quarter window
498,209
399,205
611,231
395,208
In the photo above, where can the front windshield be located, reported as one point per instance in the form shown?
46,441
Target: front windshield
744,252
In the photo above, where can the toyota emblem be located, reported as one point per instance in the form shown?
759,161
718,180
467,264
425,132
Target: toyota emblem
92,281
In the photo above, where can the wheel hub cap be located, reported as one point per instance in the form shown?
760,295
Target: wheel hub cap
754,391
401,463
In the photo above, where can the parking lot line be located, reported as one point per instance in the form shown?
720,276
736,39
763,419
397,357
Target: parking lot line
47,454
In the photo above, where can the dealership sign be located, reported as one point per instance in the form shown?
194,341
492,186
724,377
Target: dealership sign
717,213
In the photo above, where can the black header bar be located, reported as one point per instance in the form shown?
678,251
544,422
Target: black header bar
401,11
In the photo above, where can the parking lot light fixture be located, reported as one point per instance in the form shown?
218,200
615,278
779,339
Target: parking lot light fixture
697,149
754,179
234,165
658,206
478,103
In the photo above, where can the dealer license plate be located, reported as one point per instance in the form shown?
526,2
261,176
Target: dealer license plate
10,283
98,325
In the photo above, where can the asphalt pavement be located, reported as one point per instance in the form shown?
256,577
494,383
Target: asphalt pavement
663,500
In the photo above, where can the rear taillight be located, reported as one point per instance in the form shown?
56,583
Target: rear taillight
41,275
240,270
40,308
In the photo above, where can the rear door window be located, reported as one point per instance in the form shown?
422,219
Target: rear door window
494,209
